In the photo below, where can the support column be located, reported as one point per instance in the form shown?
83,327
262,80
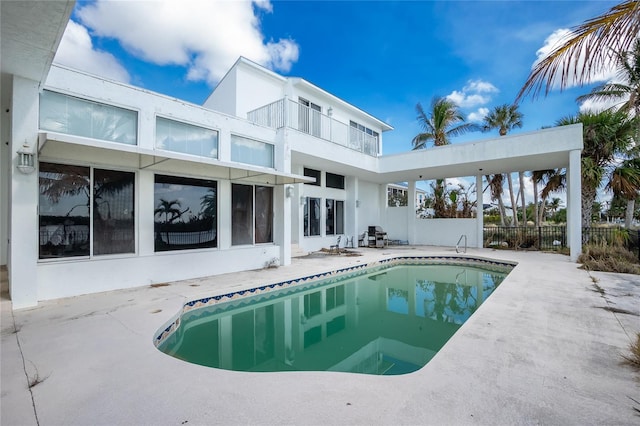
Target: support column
23,215
411,211
574,205
479,213
282,200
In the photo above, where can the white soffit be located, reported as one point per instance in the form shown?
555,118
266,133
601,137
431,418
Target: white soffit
31,32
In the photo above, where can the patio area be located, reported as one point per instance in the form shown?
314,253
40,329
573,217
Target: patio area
544,348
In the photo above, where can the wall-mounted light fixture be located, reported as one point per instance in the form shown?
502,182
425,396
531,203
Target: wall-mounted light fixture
302,201
26,159
330,112
289,191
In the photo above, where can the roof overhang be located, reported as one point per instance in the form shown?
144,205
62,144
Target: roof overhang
540,150
52,145
31,32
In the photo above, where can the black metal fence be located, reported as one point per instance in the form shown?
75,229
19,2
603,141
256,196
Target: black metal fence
555,237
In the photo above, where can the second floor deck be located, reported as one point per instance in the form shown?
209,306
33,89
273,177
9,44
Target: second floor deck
294,115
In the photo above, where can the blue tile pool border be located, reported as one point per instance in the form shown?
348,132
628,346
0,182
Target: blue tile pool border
342,273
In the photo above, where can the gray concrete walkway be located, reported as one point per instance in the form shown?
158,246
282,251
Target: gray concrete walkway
540,350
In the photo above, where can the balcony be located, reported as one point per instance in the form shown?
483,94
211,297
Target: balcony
291,114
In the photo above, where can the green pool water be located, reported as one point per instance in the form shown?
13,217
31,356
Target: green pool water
390,321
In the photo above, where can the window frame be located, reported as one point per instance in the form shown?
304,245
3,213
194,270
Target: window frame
253,219
170,179
186,124
91,255
95,102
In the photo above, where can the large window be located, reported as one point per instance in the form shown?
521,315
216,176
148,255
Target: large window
85,211
74,116
185,214
181,137
249,225
335,217
312,217
249,151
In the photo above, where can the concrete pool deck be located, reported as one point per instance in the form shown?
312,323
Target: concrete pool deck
540,350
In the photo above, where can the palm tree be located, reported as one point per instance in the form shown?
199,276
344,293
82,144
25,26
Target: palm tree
495,184
589,50
443,122
607,135
627,90
554,180
625,183
505,118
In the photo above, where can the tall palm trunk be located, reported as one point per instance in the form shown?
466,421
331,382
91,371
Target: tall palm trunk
542,211
628,217
514,208
588,197
536,218
522,200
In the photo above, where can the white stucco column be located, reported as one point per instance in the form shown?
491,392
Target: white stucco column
145,216
479,212
5,166
574,205
23,215
411,211
282,235
224,214
352,227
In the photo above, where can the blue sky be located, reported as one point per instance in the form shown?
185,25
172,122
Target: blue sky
381,56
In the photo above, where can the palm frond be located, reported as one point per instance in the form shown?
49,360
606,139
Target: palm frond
588,51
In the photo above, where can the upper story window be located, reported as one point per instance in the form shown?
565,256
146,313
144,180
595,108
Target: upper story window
314,174
81,117
334,181
249,151
185,138
364,129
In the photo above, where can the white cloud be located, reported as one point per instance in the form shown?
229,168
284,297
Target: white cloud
478,115
474,93
555,40
596,106
206,37
480,86
76,50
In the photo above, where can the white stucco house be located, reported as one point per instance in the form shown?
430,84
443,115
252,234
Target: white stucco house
106,185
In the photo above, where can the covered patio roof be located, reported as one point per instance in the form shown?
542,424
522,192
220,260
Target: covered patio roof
539,150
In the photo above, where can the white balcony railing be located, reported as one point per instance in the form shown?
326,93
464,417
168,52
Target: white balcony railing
291,114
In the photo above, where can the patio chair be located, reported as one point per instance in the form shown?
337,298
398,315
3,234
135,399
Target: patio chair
361,239
336,246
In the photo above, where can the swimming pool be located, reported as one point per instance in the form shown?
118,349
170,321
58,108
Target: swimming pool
389,317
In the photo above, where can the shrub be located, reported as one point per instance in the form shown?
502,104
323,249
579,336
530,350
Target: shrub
633,358
609,258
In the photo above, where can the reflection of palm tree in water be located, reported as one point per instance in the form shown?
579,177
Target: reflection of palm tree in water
449,300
